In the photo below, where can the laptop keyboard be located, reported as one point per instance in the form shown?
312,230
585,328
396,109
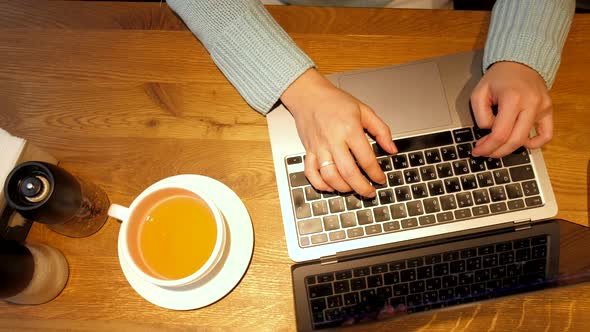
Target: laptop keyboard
432,180
427,282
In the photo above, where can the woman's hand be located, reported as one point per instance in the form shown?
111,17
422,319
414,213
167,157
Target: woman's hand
523,103
331,124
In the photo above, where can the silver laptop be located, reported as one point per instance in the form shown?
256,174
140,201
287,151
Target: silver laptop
435,188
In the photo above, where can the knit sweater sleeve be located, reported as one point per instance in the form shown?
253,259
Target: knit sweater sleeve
531,32
249,47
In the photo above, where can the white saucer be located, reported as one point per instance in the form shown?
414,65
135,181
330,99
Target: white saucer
232,266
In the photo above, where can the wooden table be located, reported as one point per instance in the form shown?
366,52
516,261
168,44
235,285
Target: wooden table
123,94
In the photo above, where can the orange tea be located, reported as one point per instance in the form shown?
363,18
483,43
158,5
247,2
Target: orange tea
174,233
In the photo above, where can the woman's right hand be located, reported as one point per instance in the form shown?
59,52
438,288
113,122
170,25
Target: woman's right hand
331,124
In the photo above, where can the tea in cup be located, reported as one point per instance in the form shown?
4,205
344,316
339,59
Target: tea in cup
171,235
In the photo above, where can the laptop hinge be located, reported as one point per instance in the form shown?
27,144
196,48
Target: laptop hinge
328,260
522,224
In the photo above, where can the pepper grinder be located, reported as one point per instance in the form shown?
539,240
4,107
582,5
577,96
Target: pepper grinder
50,195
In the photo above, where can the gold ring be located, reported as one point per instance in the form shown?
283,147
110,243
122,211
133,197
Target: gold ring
326,163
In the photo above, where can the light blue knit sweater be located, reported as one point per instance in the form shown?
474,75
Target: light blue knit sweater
261,60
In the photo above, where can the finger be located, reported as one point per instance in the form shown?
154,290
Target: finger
350,172
330,174
519,135
481,103
364,155
312,173
544,132
502,127
376,127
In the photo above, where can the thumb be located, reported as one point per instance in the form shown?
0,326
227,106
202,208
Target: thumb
481,103
377,128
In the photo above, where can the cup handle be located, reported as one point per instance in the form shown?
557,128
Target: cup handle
118,212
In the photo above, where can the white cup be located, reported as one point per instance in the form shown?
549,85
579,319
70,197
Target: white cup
131,220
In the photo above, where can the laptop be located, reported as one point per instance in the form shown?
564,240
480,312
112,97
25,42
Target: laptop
434,190
441,214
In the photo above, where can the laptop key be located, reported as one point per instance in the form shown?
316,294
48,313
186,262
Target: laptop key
400,161
355,232
412,175
408,275
384,293
441,269
398,211
319,208
375,281
463,135
391,278
513,190
493,163
409,223
419,190
417,286
468,182
317,307
373,229
530,188
534,201
424,141
379,268
337,236
334,301
402,194
391,226
351,298
428,173
501,176
302,209
462,214
379,152
414,262
348,219
498,207
539,240
416,158
445,217
464,150
353,202
427,220
310,280
320,290
444,170
480,210
477,164
370,202
364,217
433,259
304,241
436,188
319,238
311,193
460,167
331,223
452,185
518,157
516,204
385,164
381,213
485,179
341,275
481,196
448,153
358,283
336,204
395,178
396,266
520,173
432,156
309,226
385,196
497,194
298,179
448,202
464,199
431,205
325,277
451,256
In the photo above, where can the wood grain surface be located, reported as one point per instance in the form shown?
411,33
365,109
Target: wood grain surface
122,94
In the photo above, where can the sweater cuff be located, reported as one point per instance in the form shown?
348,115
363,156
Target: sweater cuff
255,54
531,32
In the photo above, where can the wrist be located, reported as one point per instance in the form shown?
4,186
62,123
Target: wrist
303,89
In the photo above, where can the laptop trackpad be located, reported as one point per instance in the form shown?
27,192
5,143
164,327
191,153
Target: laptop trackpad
407,98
